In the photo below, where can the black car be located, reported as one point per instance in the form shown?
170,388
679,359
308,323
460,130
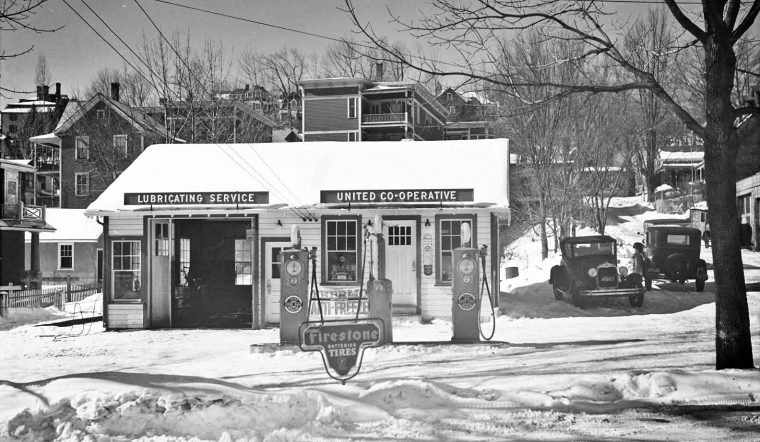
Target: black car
672,253
589,270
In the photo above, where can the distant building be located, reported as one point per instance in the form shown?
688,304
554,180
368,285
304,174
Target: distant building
471,116
92,144
74,251
17,217
357,109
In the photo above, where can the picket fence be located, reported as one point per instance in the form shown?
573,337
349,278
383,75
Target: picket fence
46,297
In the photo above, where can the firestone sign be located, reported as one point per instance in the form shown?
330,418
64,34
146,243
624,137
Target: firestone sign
397,196
195,198
341,343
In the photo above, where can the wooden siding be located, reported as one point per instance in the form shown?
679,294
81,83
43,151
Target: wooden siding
340,136
329,114
121,316
125,226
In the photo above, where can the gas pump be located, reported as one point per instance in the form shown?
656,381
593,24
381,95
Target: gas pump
294,286
465,305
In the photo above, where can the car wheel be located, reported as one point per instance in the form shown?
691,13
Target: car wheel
637,299
578,299
701,278
558,294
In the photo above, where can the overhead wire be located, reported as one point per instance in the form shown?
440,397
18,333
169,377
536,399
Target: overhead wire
210,94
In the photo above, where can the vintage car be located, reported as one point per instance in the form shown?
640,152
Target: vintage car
589,269
672,252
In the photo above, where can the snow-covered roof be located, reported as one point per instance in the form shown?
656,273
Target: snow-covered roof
20,165
295,173
681,157
71,225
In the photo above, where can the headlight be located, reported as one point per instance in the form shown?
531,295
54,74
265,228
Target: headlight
623,270
592,272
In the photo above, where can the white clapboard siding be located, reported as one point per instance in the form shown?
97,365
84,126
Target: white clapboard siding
436,299
125,316
132,226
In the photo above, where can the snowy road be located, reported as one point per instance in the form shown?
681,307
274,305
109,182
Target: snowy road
553,372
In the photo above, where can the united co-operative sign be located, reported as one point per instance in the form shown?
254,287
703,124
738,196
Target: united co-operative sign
397,196
195,198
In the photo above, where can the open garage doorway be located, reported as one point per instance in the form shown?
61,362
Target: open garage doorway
213,274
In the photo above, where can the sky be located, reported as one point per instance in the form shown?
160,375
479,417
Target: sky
552,372
74,53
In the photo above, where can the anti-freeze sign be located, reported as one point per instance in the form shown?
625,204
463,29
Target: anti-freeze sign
341,343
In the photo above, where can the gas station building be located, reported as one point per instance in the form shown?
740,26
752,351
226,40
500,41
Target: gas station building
193,232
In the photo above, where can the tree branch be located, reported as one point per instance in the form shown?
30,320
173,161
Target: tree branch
747,22
685,22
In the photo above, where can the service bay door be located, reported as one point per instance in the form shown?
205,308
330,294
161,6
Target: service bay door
272,280
401,260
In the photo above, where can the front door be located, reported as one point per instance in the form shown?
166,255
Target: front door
401,260
272,251
160,273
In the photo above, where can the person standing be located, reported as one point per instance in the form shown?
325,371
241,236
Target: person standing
706,238
638,258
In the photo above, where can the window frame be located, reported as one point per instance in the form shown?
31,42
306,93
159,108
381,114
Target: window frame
350,135
77,190
112,269
100,114
352,104
473,218
116,147
78,148
324,253
60,255
249,261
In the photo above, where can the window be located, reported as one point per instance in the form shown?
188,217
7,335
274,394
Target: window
120,144
448,96
341,248
12,128
352,107
161,244
82,148
677,240
243,262
65,256
126,270
352,136
742,204
184,261
448,239
101,114
82,184
14,117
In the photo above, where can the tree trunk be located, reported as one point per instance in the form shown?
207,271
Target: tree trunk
542,228
733,346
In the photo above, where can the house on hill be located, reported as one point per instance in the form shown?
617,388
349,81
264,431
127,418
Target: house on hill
95,141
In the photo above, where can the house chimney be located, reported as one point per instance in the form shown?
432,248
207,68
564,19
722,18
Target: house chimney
379,70
46,93
39,93
247,86
115,91
57,92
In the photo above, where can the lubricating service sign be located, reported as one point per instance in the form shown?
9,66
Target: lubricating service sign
341,343
195,198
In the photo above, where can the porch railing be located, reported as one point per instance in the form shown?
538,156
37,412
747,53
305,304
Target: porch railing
384,118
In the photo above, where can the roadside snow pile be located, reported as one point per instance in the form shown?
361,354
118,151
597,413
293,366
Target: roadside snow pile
220,413
89,306
21,316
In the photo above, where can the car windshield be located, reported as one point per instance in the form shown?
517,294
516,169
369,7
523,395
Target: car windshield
594,248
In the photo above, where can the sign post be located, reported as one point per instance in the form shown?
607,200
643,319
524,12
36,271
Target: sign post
341,343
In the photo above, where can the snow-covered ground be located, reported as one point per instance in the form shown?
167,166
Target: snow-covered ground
552,372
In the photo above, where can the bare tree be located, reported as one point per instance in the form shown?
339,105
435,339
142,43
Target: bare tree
41,72
284,70
17,15
474,29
